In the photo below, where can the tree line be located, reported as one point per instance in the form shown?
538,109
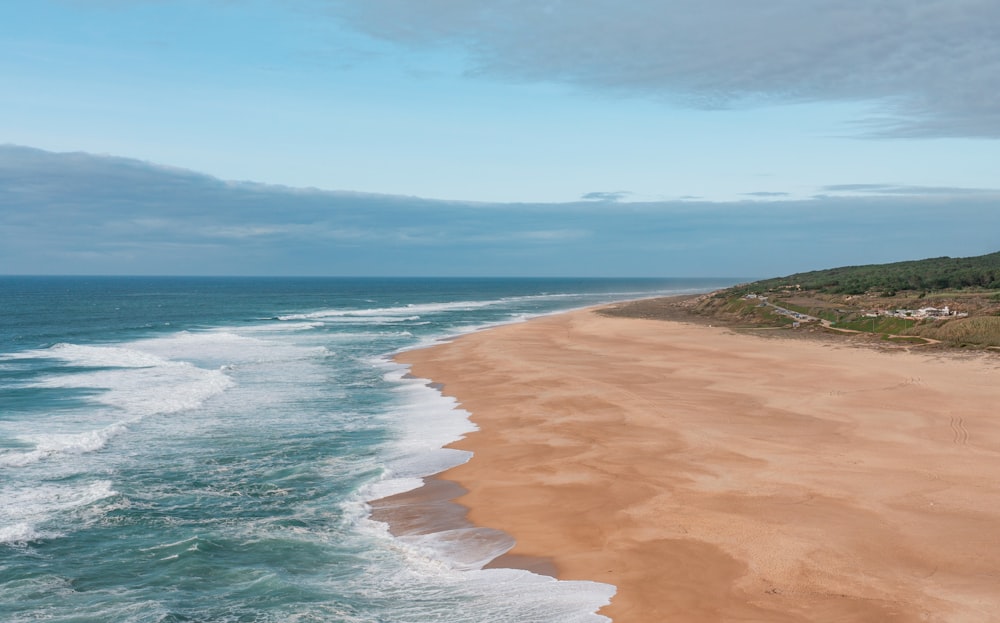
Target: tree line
939,273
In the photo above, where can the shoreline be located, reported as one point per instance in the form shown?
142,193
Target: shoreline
431,508
677,462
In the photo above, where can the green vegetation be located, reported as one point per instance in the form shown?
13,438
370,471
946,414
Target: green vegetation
883,324
863,298
982,272
751,311
905,339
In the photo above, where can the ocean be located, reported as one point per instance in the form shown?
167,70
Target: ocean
203,449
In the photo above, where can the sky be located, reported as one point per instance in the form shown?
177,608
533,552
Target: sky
489,137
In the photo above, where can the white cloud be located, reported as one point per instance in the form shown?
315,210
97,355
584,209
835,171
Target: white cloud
617,195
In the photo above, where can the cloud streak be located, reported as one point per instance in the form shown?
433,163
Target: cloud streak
913,191
929,68
617,195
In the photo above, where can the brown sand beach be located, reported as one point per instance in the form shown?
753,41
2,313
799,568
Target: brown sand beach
716,476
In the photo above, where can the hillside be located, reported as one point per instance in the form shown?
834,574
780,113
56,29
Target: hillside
930,275
954,301
945,302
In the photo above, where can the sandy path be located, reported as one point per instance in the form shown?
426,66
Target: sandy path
712,476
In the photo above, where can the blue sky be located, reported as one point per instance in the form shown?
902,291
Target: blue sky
570,131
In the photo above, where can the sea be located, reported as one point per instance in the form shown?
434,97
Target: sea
204,449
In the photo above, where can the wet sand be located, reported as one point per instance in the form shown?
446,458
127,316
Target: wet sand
715,476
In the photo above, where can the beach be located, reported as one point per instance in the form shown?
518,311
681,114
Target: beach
716,476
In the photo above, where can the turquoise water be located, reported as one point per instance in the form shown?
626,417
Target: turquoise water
181,449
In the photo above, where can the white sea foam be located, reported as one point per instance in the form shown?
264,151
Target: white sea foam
24,509
136,380
464,549
451,562
427,421
142,391
275,327
40,501
380,313
352,336
342,319
132,381
219,347
19,533
554,600
49,444
101,356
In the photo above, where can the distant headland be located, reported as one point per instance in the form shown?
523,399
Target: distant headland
937,302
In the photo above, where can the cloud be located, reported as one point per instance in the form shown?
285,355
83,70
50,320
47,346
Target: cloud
86,214
913,191
549,235
766,194
607,196
931,67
